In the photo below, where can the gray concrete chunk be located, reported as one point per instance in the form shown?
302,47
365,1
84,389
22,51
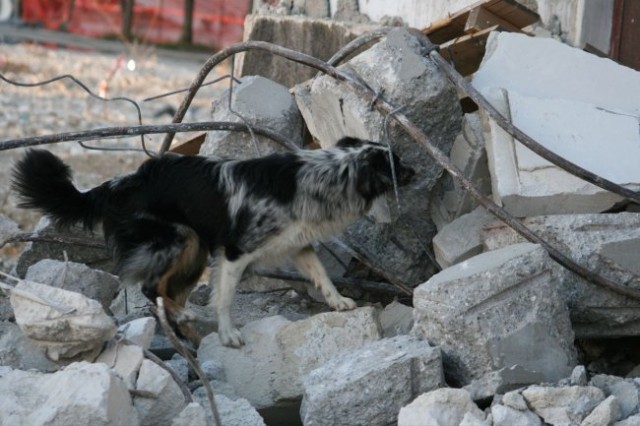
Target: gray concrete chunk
497,310
355,387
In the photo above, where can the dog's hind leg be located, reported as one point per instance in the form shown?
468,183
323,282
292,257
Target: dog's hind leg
308,263
226,278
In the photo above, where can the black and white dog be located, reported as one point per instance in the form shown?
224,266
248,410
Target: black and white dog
164,220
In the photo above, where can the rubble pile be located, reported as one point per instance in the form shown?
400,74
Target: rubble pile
495,333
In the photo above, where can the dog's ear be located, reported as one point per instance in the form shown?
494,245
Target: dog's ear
350,142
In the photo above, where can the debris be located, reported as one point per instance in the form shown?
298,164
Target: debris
396,319
496,310
355,387
164,400
79,330
602,242
20,352
125,360
562,405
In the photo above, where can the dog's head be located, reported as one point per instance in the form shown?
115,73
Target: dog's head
375,176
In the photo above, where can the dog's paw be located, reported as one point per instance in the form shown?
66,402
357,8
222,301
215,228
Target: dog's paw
231,337
341,303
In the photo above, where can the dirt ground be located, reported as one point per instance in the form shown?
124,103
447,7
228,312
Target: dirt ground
63,106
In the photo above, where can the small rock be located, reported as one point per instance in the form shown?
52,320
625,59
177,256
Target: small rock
20,352
606,413
166,400
578,376
396,319
625,392
67,323
564,405
139,331
125,360
507,416
442,407
192,415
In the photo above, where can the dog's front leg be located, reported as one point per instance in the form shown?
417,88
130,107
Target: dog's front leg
225,281
308,263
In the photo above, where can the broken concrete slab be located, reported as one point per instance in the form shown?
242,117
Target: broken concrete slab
72,276
449,201
625,391
66,323
235,412
82,393
565,112
354,387
444,407
462,238
163,399
323,39
507,416
600,243
398,68
261,102
497,310
562,405
268,370
33,252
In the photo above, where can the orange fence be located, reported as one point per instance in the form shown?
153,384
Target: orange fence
216,23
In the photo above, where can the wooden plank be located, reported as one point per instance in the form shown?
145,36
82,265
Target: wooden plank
480,19
513,13
466,53
190,147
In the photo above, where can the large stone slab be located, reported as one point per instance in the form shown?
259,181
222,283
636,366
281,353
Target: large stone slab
81,394
497,310
269,369
355,387
604,243
323,38
398,68
66,323
261,102
564,111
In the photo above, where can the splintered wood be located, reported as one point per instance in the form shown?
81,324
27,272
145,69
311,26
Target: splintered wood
462,36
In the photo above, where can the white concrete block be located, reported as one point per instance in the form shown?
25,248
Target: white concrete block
547,90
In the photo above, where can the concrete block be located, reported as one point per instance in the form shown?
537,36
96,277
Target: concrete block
562,405
442,407
354,387
323,38
72,276
238,412
67,324
81,394
604,243
507,416
164,400
564,111
261,102
449,200
498,310
462,238
278,353
125,360
139,331
521,63
397,67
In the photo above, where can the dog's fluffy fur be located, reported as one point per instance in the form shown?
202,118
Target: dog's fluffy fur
164,220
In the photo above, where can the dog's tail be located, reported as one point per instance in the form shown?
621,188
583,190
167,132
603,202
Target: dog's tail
43,182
